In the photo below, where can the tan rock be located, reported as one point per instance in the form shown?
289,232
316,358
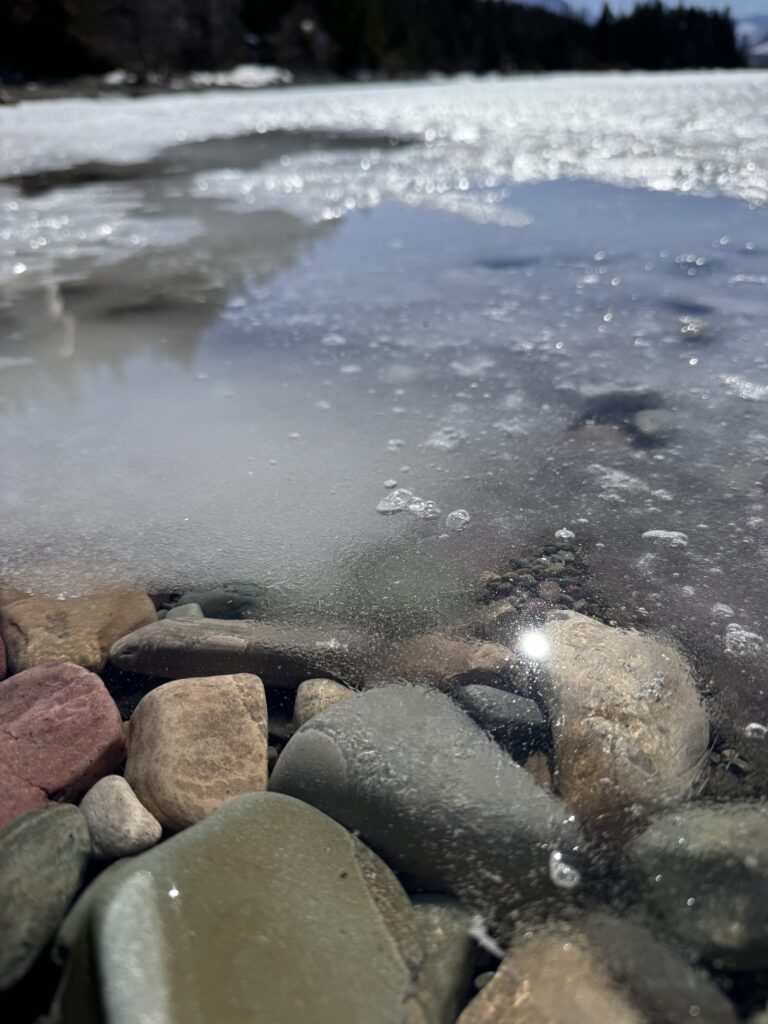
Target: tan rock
118,823
38,630
539,769
197,743
445,662
629,730
315,695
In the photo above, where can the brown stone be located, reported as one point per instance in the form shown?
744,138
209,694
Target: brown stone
445,662
315,695
3,660
197,743
38,630
629,730
61,732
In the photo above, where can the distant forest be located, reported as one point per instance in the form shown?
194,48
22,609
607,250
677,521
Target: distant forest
153,39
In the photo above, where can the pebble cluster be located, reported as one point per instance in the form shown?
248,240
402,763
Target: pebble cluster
297,823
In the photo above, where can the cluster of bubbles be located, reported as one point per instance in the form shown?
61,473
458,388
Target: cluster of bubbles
400,499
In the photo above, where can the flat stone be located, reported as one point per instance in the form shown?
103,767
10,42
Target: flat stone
629,730
297,922
238,600
197,743
61,733
515,722
446,663
43,856
119,824
449,954
598,970
281,654
185,611
426,787
315,695
703,870
81,630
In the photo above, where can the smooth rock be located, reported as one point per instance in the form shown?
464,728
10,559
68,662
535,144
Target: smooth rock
629,730
238,600
118,822
3,660
423,785
515,722
43,856
185,611
281,654
599,970
62,732
449,955
38,630
654,424
315,695
197,743
445,662
299,922
703,869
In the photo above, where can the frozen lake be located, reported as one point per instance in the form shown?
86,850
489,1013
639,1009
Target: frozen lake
540,300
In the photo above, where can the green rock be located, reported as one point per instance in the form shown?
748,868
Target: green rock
265,911
43,855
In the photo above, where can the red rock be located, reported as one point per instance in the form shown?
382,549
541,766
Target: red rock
60,731
3,659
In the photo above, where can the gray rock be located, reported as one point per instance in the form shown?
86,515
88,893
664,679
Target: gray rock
282,654
315,695
433,794
238,600
596,970
449,954
629,730
118,822
185,611
43,856
515,722
703,869
298,922
654,424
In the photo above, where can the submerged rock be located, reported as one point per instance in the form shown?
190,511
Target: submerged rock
281,654
298,922
237,600
38,630
703,870
118,822
197,743
597,970
43,856
185,611
62,732
629,730
3,660
443,661
515,722
424,785
315,695
449,954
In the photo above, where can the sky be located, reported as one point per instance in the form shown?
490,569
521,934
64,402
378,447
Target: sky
739,8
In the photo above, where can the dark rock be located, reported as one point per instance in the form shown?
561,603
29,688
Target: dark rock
298,921
703,869
43,856
515,722
62,732
281,654
448,957
424,785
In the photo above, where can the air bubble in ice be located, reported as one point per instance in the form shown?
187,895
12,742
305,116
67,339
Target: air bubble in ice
395,502
563,875
389,484
457,520
422,508
565,534
756,731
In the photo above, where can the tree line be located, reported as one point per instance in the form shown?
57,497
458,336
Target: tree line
153,39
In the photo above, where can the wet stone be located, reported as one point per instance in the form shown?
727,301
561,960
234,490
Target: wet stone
299,921
120,826
315,695
3,660
236,601
445,662
703,870
38,630
197,743
426,787
62,733
449,957
185,611
43,856
515,722
630,733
